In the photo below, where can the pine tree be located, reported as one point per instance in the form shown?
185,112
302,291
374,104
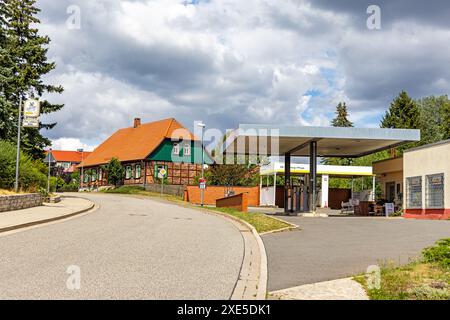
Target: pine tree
6,126
341,119
403,113
28,53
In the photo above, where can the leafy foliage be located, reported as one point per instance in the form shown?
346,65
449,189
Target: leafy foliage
232,175
32,173
116,173
440,253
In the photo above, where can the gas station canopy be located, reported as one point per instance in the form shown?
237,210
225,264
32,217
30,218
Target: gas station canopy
289,141
252,139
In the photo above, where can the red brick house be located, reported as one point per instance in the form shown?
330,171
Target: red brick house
142,148
68,160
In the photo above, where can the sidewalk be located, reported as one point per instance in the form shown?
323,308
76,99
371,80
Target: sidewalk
340,289
68,207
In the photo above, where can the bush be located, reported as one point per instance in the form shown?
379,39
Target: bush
126,190
31,177
440,253
70,187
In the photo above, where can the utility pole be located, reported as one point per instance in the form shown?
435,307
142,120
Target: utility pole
19,125
82,171
202,190
49,158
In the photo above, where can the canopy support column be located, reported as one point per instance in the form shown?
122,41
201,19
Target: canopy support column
287,181
373,188
274,188
313,174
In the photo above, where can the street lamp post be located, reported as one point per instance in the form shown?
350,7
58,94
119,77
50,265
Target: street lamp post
49,158
82,171
202,126
19,124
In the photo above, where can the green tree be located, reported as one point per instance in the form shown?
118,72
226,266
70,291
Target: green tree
341,119
445,114
232,175
116,173
27,51
433,118
403,113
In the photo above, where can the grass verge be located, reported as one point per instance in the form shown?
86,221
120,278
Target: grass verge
141,191
261,222
425,279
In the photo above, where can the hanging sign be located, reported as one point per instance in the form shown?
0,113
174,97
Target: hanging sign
31,108
30,122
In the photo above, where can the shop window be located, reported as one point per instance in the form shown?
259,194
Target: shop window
176,149
187,149
414,192
137,171
128,172
434,196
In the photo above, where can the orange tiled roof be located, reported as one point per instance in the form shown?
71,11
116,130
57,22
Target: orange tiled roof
131,144
69,156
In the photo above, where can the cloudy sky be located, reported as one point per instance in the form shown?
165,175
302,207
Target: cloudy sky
227,62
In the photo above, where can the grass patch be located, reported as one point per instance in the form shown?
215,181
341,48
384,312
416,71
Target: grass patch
261,222
4,192
425,279
141,191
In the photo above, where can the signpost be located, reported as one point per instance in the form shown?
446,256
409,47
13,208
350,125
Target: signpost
31,112
49,159
161,173
202,183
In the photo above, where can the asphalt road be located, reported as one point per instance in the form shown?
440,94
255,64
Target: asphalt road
128,249
333,248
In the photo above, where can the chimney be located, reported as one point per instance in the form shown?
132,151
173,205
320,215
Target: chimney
137,122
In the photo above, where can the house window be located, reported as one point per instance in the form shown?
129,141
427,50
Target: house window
434,196
187,149
94,175
414,192
128,172
85,178
100,174
176,149
137,171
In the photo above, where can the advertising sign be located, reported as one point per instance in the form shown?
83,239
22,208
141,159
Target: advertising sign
389,209
30,122
31,108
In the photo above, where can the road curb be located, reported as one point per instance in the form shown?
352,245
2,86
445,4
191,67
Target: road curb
239,290
38,222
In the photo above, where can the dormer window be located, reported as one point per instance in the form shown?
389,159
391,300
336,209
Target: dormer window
187,149
176,149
